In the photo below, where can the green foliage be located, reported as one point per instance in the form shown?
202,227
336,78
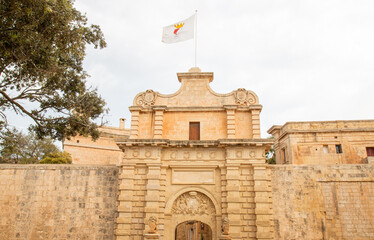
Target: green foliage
57,158
270,156
16,147
42,47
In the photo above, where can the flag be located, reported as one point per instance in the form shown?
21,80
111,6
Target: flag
180,31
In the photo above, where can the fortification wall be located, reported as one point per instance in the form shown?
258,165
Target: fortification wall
323,202
58,201
80,202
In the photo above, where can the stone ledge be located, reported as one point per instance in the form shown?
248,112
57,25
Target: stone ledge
195,143
57,166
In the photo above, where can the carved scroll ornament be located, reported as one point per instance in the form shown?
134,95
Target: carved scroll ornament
146,98
244,97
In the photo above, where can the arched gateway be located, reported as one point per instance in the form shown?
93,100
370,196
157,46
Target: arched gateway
192,209
194,161
193,230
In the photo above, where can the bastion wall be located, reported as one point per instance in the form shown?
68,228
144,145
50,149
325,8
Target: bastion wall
323,201
58,201
80,202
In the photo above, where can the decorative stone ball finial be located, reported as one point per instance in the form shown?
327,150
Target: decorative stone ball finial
194,70
152,223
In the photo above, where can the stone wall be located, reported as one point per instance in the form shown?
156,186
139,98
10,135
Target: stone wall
58,201
80,202
323,202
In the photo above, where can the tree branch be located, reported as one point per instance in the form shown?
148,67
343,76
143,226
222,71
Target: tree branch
36,120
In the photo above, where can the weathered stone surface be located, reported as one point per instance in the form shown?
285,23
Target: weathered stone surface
323,202
58,202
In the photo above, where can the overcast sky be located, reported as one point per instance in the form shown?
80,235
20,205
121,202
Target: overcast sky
306,60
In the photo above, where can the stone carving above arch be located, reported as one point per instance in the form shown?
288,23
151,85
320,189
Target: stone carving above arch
244,97
193,203
146,98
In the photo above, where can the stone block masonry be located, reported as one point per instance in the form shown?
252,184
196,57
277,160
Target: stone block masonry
58,201
323,202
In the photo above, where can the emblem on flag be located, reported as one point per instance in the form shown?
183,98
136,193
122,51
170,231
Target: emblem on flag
180,31
177,27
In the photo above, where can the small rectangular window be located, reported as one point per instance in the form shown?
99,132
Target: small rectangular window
370,151
284,155
325,149
339,148
194,131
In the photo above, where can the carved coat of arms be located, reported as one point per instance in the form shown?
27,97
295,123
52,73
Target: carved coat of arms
193,203
146,98
244,97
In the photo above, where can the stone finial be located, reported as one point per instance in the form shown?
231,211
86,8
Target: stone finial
194,70
152,223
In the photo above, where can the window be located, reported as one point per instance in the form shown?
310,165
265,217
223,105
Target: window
339,148
325,149
284,155
370,151
194,131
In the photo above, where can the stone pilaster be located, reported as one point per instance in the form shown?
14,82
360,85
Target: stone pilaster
233,199
263,202
159,119
134,131
162,202
152,198
230,115
125,202
256,124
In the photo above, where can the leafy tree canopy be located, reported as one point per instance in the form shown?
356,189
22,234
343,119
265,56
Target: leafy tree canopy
57,158
42,47
16,147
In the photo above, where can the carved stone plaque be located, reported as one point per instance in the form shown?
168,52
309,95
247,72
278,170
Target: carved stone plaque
193,176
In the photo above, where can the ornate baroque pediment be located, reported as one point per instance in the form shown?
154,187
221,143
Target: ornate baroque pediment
195,91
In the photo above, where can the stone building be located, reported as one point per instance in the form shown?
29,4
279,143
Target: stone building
102,151
192,166
194,158
327,142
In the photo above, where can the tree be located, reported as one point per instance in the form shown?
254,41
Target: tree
16,147
270,156
57,158
42,47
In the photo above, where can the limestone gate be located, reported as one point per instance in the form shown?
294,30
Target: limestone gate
192,166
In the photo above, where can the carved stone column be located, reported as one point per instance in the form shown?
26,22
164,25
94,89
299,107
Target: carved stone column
263,201
230,111
159,120
125,202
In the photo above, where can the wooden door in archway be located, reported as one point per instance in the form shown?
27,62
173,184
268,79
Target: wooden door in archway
193,230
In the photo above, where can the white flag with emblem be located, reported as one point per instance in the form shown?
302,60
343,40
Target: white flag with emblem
180,31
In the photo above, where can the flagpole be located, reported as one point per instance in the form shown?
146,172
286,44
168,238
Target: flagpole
196,38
